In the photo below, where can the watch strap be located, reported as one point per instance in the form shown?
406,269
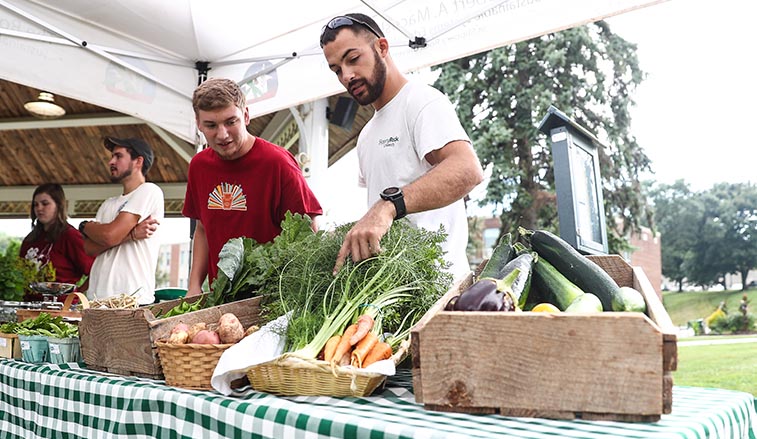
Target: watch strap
399,207
398,199
81,227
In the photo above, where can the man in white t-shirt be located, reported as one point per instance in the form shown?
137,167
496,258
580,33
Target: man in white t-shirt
124,238
414,155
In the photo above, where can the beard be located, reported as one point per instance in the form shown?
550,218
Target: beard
375,86
119,177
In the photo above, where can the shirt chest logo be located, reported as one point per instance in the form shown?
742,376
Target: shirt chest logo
389,142
227,196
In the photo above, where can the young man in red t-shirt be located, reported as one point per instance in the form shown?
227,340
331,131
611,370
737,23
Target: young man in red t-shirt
241,185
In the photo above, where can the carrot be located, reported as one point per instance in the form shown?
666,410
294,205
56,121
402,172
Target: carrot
364,324
363,348
330,347
345,361
344,343
380,351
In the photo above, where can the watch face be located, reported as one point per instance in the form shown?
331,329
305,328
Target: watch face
391,190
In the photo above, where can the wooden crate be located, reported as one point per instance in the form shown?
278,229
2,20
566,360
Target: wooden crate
122,341
603,366
10,347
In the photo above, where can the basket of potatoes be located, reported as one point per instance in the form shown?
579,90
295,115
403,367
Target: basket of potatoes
190,354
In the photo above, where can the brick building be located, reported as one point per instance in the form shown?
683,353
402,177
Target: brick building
647,254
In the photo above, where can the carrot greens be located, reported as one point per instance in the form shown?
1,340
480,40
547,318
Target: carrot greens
293,274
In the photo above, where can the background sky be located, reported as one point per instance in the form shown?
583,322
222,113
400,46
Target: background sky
692,115
695,106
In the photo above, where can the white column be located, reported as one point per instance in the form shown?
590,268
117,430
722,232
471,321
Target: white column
314,142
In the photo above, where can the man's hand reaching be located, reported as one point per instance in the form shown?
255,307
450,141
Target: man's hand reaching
363,240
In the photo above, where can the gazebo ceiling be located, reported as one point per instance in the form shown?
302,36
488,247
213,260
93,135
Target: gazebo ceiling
69,150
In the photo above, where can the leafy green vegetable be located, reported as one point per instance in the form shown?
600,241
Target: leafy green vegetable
294,275
43,324
370,293
182,307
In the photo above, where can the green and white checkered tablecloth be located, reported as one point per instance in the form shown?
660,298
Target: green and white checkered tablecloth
70,401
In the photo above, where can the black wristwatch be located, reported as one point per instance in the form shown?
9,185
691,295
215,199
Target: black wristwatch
394,194
81,227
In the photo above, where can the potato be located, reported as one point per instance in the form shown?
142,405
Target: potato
206,336
230,330
180,327
178,337
197,327
179,334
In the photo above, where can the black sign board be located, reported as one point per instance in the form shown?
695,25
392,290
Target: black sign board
578,185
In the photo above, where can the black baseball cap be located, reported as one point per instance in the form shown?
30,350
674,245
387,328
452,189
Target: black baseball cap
137,145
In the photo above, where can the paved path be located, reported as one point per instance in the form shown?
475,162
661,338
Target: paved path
717,340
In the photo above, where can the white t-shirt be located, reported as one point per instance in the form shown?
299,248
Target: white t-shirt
130,266
391,151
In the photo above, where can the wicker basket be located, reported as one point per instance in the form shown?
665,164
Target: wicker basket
292,376
189,365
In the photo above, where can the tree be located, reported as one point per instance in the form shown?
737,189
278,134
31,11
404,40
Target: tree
707,235
736,250
677,213
589,73
705,265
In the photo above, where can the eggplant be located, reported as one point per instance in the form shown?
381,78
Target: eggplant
487,294
451,304
481,296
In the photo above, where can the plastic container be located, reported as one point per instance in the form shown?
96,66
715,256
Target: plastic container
64,350
169,293
34,348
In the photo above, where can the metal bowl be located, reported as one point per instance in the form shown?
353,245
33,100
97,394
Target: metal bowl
52,288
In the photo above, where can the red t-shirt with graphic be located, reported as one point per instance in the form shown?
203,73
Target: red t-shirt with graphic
66,254
245,197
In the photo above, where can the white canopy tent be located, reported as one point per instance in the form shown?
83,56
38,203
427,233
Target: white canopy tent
143,58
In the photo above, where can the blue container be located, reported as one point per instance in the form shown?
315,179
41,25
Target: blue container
33,348
64,350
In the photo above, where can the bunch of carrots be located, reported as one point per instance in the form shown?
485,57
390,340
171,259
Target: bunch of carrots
358,345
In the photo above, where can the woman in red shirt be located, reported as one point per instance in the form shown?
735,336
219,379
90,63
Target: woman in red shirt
53,239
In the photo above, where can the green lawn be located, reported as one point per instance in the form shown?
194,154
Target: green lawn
727,366
686,306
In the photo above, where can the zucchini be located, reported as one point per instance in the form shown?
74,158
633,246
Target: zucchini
629,299
579,269
521,285
555,287
586,303
502,254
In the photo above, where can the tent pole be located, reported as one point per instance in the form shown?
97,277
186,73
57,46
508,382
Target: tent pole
203,67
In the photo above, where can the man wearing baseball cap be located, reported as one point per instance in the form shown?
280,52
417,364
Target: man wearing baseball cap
124,238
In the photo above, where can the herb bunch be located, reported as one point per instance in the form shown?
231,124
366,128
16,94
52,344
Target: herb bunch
293,273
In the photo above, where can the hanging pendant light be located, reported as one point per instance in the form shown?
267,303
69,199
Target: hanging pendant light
45,107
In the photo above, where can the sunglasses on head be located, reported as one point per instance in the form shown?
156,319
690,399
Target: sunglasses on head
343,21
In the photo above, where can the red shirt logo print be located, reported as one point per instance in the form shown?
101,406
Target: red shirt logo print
227,196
